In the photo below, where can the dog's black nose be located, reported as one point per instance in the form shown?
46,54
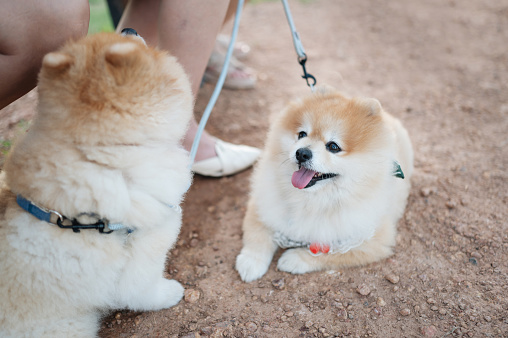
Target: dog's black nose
303,155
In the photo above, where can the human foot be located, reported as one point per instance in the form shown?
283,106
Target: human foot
230,159
238,75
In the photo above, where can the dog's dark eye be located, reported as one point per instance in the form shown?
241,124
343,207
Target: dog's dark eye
302,134
333,147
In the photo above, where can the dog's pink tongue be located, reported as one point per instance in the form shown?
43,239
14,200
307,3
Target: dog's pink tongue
302,177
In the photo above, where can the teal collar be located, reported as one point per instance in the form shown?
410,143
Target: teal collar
397,170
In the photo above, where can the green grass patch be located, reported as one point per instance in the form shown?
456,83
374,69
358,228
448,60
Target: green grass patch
21,128
100,20
5,146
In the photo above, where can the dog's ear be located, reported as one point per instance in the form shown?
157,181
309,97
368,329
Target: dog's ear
373,106
57,61
122,59
122,54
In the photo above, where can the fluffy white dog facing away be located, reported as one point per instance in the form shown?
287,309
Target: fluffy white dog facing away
105,145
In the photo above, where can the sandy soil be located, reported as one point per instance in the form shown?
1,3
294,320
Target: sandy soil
442,68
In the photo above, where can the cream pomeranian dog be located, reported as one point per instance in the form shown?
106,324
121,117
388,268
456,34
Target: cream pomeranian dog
328,187
93,189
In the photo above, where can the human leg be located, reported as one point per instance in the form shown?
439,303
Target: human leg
187,29
143,16
239,76
28,30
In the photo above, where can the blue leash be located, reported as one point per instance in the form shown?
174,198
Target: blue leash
302,58
218,86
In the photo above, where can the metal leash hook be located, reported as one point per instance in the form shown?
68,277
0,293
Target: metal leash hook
100,225
306,75
302,57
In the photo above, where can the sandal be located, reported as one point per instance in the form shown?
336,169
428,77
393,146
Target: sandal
240,50
238,76
230,159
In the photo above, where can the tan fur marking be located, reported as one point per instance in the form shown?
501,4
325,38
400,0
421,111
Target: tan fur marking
362,127
57,61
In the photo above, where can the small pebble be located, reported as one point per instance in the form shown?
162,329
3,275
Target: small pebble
118,315
137,320
405,312
442,311
431,301
434,308
191,295
487,318
251,326
476,254
342,314
363,289
392,278
279,284
192,335
451,204
380,301
207,330
425,192
428,331
194,242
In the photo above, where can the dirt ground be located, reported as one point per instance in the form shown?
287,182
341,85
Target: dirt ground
441,66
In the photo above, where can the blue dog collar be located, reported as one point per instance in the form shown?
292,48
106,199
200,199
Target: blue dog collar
43,214
54,217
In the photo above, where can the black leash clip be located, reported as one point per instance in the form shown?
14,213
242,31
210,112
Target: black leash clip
76,226
306,75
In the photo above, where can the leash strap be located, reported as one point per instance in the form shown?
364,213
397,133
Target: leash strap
300,51
218,86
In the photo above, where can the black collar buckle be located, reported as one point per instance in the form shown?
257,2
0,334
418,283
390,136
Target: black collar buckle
100,225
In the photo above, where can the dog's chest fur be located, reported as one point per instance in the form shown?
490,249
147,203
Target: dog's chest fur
321,217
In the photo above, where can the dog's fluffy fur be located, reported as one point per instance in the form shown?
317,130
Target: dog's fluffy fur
352,214
106,142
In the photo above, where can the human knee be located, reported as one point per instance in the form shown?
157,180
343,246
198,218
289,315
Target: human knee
64,20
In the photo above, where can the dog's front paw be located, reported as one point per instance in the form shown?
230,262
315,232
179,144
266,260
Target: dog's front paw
173,292
252,266
291,261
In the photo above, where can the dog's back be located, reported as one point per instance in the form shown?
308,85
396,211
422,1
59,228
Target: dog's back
105,146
